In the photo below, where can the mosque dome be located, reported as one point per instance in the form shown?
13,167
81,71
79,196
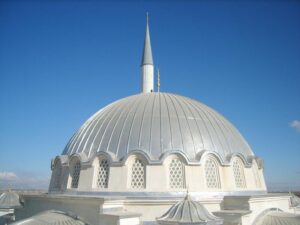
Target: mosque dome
156,143
156,124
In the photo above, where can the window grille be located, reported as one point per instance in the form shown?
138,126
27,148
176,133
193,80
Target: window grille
238,172
212,174
138,174
176,174
57,176
76,175
103,173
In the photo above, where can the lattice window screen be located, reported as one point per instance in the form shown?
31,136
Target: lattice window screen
256,176
57,176
212,174
238,172
176,174
138,174
103,173
76,175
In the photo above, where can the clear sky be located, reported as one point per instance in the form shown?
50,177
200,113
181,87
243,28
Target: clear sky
61,61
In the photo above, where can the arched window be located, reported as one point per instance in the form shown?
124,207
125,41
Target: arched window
212,174
103,174
256,175
238,172
56,174
76,174
138,180
176,174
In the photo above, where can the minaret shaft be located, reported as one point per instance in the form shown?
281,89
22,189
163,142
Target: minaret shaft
147,72
147,67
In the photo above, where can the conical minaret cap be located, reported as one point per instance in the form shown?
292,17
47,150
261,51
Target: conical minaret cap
147,52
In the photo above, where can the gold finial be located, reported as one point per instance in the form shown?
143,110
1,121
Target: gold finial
158,80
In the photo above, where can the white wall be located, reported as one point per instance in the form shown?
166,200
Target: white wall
157,178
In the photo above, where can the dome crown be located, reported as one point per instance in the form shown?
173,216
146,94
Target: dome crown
156,124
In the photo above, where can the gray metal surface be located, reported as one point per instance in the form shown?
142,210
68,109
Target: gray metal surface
156,124
147,52
10,200
188,212
278,218
50,218
295,201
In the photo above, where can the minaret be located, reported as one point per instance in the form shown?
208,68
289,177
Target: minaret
147,67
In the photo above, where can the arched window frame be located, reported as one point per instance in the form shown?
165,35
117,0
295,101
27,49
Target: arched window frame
175,172
102,170
212,173
238,173
136,172
75,170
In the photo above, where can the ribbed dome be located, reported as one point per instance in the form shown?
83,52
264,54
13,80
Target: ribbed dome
156,123
10,200
279,218
190,212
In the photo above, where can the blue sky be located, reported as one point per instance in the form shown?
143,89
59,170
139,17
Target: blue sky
61,61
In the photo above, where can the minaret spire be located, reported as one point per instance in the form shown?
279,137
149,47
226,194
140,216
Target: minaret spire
158,80
147,67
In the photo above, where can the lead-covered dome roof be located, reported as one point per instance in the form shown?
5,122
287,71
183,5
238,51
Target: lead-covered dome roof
156,124
188,212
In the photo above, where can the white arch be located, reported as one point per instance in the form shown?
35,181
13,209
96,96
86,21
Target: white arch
137,172
102,169
212,174
175,171
75,168
238,172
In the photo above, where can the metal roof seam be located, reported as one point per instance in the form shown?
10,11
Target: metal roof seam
122,129
180,128
108,111
171,141
96,122
143,117
150,140
85,126
194,117
207,130
160,127
189,128
95,143
131,125
116,122
224,139
111,120
215,130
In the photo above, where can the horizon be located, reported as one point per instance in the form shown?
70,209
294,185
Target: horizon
63,61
